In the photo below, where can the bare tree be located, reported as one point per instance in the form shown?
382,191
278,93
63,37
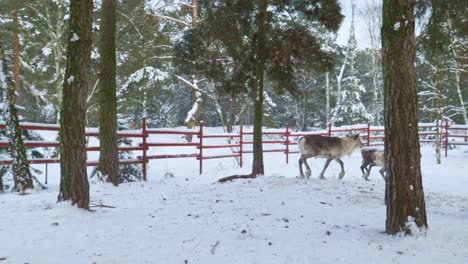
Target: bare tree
372,16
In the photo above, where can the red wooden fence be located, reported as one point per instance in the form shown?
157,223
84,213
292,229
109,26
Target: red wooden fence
371,136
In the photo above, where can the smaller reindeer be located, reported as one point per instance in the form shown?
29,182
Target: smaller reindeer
330,148
372,157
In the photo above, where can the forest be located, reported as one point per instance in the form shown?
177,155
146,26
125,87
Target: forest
159,43
136,75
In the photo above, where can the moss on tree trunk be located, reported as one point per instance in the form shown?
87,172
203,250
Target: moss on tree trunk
20,167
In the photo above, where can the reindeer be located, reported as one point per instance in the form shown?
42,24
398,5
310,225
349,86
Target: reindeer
330,148
372,157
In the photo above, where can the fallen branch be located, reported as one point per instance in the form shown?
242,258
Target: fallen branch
214,247
235,177
102,205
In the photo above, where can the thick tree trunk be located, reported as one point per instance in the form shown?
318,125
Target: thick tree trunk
257,165
74,184
21,172
404,190
108,159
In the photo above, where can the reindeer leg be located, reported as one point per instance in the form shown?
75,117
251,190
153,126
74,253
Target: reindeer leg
325,167
342,173
304,158
382,172
300,167
368,170
363,169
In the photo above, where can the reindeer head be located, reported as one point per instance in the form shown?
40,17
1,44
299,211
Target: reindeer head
356,140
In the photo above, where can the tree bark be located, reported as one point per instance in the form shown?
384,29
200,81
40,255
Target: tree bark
191,121
257,164
230,113
74,184
404,190
16,66
108,158
21,173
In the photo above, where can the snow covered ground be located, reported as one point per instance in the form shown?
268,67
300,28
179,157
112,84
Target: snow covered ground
179,216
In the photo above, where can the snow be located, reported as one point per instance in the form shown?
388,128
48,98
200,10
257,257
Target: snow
71,79
396,26
180,216
75,37
46,51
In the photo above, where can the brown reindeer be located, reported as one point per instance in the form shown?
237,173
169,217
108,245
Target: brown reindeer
372,157
330,148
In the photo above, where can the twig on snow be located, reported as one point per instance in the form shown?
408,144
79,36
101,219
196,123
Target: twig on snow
214,247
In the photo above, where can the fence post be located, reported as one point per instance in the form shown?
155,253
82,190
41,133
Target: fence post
241,139
287,143
145,147
200,146
368,133
446,137
329,129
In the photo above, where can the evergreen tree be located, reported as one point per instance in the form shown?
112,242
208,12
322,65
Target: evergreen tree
21,172
288,39
74,184
404,193
444,44
349,108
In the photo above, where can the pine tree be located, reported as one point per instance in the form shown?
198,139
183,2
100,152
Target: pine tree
21,172
444,43
287,39
404,193
108,157
74,184
349,108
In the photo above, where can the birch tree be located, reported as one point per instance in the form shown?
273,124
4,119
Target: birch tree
372,16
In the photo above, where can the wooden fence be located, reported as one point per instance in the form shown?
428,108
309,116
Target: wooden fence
372,136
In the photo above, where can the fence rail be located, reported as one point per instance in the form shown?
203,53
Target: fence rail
372,136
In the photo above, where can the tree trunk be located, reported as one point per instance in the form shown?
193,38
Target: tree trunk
108,158
257,165
230,113
194,114
21,173
404,190
74,184
16,60
58,53
327,97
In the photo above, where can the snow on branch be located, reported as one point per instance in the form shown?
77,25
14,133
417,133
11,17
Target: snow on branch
172,19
